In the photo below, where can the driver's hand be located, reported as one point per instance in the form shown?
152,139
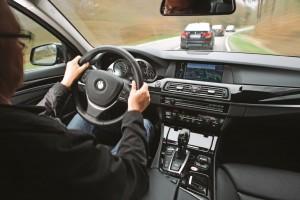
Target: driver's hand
138,99
73,72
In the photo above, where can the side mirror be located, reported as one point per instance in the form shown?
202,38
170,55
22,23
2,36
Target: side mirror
47,55
197,7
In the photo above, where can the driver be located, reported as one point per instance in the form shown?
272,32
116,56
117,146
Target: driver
186,7
42,159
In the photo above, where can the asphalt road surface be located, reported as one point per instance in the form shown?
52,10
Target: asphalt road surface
174,43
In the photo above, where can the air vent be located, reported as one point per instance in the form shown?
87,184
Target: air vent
197,90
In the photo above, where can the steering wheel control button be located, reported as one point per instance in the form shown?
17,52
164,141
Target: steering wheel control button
100,85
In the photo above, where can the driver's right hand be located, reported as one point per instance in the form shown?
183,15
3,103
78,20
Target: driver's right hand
138,99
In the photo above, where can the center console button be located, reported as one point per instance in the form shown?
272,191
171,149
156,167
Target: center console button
194,169
172,101
169,151
176,165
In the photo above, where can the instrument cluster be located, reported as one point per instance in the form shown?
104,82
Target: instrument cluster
122,69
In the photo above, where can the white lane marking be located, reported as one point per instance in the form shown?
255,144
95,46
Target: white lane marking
227,44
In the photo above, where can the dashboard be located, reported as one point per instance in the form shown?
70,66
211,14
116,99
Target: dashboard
213,85
203,92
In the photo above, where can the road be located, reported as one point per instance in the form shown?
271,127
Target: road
174,43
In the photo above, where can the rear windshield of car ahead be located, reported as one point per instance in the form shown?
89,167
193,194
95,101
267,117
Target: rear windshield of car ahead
197,27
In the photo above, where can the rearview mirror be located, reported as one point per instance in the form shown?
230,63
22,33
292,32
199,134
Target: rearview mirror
47,55
197,7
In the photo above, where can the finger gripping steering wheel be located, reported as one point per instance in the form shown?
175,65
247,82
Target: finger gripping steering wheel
103,89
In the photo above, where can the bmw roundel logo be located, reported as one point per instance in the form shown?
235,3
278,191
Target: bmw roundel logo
100,85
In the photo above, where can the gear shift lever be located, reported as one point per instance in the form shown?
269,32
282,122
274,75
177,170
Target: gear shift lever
181,155
183,140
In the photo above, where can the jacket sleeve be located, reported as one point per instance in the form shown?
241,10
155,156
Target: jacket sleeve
96,173
55,100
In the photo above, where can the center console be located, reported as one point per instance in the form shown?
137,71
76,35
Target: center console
190,165
195,101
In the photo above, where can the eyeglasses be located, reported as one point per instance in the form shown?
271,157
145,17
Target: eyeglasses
22,35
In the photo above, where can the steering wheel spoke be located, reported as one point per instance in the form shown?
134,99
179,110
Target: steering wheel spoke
81,86
124,94
95,110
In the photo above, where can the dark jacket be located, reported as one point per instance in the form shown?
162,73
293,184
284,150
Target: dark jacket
41,159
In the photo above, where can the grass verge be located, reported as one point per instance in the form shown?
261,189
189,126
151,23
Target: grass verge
242,43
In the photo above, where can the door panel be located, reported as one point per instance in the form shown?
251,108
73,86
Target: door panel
31,96
38,79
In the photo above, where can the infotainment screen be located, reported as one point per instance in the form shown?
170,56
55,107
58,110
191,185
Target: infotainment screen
204,72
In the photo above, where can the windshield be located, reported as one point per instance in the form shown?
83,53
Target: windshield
257,26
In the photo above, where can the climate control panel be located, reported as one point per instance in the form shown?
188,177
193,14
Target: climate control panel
197,122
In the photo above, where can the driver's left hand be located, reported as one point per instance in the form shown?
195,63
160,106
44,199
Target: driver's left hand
73,72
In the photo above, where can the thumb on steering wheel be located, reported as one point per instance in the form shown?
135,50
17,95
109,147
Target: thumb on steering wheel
133,87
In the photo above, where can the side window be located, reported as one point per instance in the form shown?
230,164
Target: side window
42,49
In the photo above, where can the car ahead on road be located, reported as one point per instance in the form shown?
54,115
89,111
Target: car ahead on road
230,28
218,30
197,36
241,109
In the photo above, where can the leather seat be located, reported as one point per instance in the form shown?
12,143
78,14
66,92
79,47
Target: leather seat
246,182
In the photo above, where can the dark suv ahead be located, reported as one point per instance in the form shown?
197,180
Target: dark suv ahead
197,36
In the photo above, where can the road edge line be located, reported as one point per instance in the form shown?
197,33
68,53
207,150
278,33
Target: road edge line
227,43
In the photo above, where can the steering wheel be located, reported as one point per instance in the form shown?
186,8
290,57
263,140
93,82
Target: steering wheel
103,89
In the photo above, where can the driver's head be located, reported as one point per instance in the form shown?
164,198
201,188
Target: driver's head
177,5
11,57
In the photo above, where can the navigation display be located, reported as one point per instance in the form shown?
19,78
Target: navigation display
204,72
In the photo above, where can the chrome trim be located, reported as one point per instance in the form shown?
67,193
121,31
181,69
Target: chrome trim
190,180
81,83
183,164
94,67
99,107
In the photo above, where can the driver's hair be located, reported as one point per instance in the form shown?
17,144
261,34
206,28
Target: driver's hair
11,56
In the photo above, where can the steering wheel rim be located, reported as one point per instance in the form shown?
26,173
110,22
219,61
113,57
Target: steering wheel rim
114,88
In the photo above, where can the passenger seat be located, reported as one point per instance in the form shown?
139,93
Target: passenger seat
246,182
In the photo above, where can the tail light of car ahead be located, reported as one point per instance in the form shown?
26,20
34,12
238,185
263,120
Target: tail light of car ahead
207,35
185,35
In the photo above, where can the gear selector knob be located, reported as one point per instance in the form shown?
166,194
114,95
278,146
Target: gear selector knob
183,140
